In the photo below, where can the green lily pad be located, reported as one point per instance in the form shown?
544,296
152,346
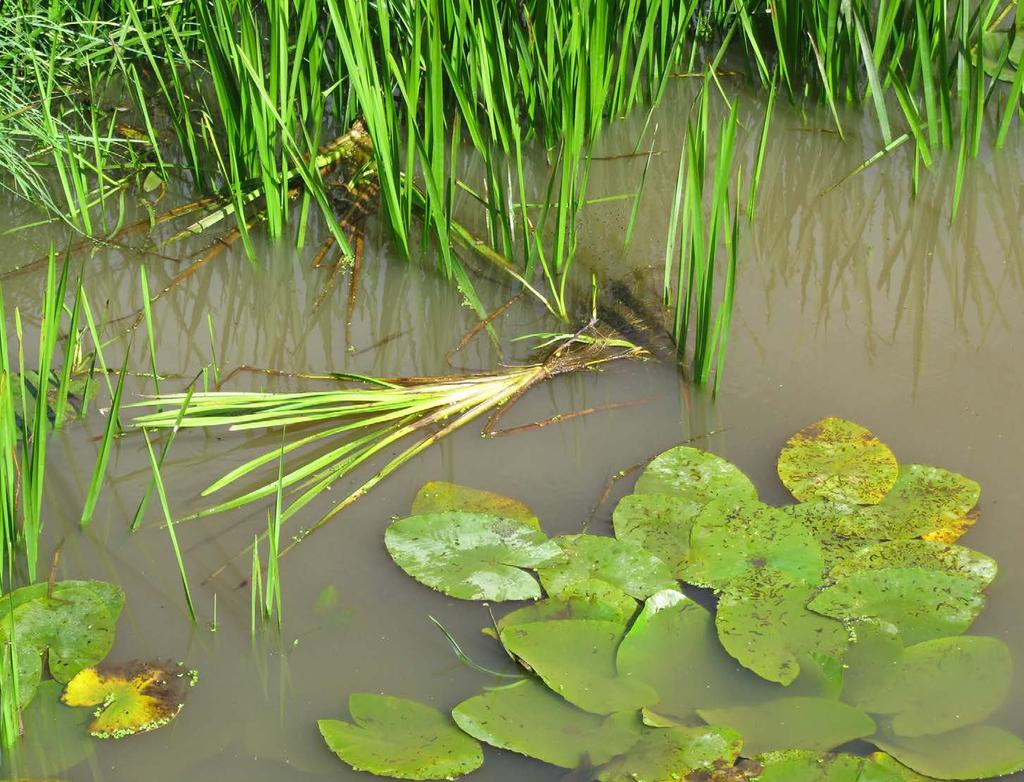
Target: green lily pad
55,737
563,608
730,538
603,592
635,571
803,766
993,43
694,475
441,496
673,753
793,723
927,554
834,526
576,659
527,718
659,523
974,752
764,623
923,500
935,686
838,460
395,737
473,556
74,627
921,604
875,652
672,646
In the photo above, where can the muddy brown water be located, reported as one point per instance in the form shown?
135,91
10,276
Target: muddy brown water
863,303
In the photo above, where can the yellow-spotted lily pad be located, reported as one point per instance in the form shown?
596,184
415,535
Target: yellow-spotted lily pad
129,699
837,460
441,496
924,500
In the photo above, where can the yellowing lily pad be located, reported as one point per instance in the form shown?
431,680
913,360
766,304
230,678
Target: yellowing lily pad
527,718
694,475
673,753
927,554
730,538
974,752
920,604
838,460
793,723
441,496
472,556
659,523
763,622
635,571
399,738
131,699
952,530
576,659
924,500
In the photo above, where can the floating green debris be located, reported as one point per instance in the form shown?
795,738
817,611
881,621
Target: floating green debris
974,752
554,651
838,460
473,556
764,623
441,496
927,554
921,604
923,500
72,624
527,718
793,723
694,475
673,753
635,571
130,699
730,538
395,737
659,523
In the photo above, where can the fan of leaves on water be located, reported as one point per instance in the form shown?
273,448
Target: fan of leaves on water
837,619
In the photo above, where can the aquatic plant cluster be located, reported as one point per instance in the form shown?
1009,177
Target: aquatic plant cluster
834,620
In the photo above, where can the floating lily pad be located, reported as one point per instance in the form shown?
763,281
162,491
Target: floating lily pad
835,527
603,592
838,460
659,523
563,608
673,753
923,500
527,718
73,626
473,556
793,723
952,530
576,659
935,686
55,737
441,496
694,475
974,752
803,766
131,699
921,604
395,737
889,763
730,538
926,554
635,571
763,622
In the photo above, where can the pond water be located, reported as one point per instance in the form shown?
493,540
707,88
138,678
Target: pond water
863,303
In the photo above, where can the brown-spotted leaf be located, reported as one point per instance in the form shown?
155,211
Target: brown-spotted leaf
441,496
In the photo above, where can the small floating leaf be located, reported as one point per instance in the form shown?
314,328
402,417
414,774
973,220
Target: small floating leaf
527,718
131,699
938,685
659,523
576,659
923,500
835,459
395,737
630,568
673,753
921,604
730,538
974,752
441,496
472,556
694,475
764,623
793,723
927,554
